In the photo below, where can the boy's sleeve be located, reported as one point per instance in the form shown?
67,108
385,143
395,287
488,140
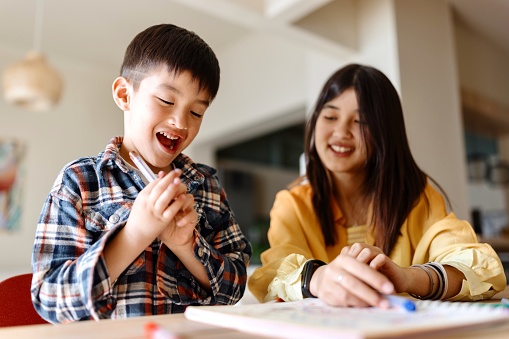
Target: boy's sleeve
223,250
70,280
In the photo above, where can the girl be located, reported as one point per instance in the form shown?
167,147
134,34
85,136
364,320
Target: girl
365,220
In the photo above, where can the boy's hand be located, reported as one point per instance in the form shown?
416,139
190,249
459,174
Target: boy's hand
157,205
180,231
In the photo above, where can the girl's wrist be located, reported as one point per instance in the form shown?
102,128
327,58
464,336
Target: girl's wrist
313,285
417,281
427,284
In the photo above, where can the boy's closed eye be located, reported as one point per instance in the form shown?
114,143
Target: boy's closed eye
166,102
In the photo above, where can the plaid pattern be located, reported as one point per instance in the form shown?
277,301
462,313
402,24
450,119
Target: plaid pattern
90,201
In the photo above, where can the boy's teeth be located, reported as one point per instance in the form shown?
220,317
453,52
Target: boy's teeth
169,137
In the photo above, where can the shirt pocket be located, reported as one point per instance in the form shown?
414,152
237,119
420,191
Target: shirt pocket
107,216
137,265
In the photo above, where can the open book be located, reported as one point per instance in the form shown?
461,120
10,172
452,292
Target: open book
311,318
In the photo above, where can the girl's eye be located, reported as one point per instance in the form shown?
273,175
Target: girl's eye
329,117
198,115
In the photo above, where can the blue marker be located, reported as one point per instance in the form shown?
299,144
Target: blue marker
400,302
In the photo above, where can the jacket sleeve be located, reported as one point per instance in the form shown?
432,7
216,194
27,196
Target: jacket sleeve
70,280
453,242
289,246
223,250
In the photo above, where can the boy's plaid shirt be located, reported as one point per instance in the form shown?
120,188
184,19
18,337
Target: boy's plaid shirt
89,202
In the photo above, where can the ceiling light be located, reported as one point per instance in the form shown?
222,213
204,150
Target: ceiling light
32,83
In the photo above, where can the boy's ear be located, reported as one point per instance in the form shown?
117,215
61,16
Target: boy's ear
120,90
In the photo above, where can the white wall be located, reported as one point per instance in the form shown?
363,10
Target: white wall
266,81
483,66
484,69
82,124
378,45
430,95
262,76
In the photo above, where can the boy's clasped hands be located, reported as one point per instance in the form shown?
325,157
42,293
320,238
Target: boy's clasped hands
163,209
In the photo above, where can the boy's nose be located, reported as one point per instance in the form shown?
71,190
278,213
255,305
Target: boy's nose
179,120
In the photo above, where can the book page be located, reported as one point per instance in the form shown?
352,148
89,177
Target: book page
311,318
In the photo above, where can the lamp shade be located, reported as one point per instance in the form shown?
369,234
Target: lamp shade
32,83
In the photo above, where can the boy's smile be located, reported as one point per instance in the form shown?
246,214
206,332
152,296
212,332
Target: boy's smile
170,141
162,117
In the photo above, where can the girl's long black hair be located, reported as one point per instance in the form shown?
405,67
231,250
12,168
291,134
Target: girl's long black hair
393,181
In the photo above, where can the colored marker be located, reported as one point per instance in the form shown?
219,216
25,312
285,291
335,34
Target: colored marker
142,166
400,302
154,331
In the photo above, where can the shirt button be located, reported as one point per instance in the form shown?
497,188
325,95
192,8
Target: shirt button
200,252
114,218
135,176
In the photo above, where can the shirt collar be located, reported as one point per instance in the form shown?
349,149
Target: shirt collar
191,172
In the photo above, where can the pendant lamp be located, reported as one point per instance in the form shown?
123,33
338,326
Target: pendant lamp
32,83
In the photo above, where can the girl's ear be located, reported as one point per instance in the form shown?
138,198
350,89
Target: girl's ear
120,90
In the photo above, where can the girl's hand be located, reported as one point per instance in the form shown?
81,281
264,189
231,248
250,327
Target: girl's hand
375,258
349,281
362,252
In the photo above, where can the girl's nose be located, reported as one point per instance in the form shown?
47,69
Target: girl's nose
342,129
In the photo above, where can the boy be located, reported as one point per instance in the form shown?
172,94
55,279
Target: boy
111,244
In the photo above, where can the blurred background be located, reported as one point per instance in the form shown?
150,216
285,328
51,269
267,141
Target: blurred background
447,58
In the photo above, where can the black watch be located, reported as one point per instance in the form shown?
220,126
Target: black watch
307,272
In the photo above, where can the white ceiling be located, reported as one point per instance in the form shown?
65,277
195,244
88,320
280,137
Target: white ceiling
98,31
490,18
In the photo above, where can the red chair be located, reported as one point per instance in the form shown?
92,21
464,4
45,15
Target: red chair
16,306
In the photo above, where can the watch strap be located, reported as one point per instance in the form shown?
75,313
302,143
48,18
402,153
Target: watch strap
308,270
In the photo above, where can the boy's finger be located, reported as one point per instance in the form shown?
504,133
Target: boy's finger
187,216
173,209
169,194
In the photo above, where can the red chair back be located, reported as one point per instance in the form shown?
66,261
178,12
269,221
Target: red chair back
16,306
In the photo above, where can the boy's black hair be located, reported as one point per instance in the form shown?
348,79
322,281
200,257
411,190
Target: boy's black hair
178,49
